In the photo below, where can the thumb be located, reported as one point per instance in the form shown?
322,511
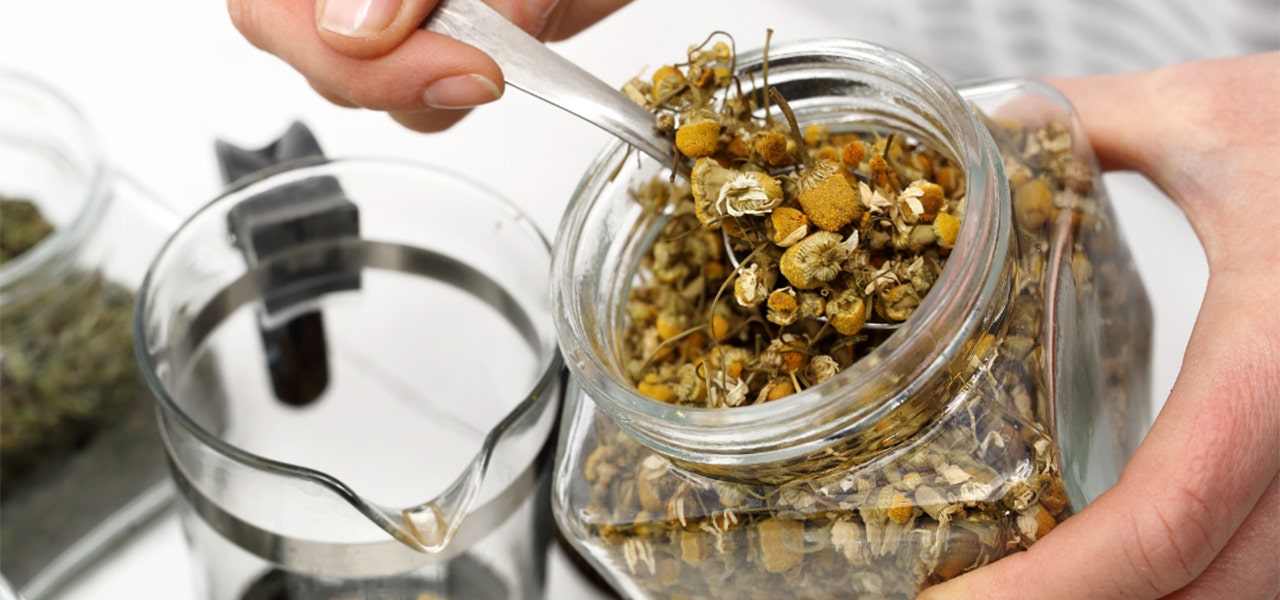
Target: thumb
369,28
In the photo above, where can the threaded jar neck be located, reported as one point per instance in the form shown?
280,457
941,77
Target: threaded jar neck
831,82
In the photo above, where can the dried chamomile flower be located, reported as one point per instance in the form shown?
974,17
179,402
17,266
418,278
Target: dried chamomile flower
946,229
781,544
822,368
813,305
670,324
753,284
654,387
707,179
847,312
698,136
638,91
921,201
773,147
783,308
901,509
689,385
752,193
950,178
786,354
727,392
882,171
667,81
852,153
916,238
873,200
713,78
814,260
787,226
816,136
693,547
897,302
826,197
1032,202
776,389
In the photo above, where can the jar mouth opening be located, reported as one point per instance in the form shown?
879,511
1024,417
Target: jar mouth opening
877,383
55,253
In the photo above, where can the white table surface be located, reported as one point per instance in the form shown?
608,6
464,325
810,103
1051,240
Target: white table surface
160,80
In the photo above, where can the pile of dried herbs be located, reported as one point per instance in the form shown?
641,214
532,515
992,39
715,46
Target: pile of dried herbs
789,255
78,438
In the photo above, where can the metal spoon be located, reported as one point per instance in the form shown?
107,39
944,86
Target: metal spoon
530,66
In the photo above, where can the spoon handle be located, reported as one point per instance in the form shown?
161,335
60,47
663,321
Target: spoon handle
530,66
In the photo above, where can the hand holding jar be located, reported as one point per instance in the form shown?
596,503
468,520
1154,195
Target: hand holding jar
1194,514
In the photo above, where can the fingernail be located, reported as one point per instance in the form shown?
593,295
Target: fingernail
461,91
358,18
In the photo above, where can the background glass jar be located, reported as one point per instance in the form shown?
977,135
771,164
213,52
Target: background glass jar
1007,400
74,413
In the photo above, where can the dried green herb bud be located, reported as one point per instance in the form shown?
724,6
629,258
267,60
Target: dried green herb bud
22,226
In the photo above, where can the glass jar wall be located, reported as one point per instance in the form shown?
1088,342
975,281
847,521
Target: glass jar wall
1008,400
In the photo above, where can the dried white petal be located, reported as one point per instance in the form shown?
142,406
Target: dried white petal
744,195
953,474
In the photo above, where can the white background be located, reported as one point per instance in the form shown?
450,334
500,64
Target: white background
160,80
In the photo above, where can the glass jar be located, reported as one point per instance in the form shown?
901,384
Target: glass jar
1010,398
80,458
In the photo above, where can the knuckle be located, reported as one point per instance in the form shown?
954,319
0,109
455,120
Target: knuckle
1171,543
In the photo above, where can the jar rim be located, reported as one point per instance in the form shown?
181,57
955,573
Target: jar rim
51,254
853,399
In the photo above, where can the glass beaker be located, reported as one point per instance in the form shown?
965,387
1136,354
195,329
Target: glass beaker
358,378
80,459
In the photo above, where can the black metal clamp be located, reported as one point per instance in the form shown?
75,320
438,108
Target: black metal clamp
288,235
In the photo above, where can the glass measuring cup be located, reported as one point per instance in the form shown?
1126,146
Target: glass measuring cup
412,306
